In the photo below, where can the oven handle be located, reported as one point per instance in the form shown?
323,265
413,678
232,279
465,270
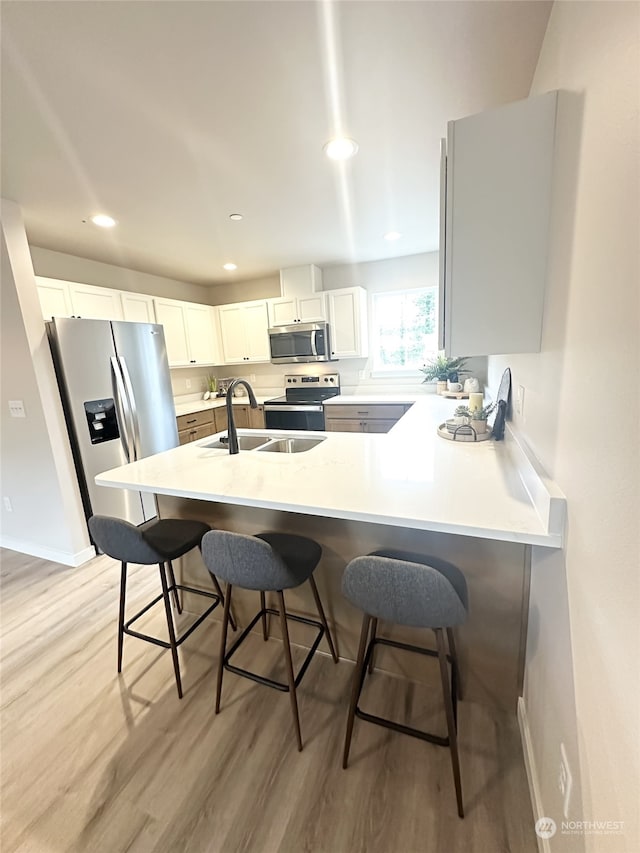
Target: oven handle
268,408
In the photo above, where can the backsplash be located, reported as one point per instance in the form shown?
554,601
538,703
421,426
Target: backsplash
268,379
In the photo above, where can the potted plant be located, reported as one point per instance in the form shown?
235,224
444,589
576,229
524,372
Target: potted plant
444,370
461,415
479,417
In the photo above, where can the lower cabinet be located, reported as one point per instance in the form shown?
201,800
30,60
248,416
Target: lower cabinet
248,418
374,417
195,426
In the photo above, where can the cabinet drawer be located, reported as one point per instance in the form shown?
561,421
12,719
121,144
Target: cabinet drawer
186,436
387,411
343,425
194,420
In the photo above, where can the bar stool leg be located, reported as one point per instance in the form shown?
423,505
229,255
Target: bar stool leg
265,629
358,675
290,676
172,633
454,657
123,590
221,594
223,645
323,618
374,628
451,726
172,581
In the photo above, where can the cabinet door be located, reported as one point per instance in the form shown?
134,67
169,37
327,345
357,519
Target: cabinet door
54,297
311,308
256,418
96,303
498,193
137,307
283,311
170,314
220,416
241,416
200,334
256,324
232,333
347,318
343,425
379,425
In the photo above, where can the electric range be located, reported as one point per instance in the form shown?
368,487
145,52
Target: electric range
301,407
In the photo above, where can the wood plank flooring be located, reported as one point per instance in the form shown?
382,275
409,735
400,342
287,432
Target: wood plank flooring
93,761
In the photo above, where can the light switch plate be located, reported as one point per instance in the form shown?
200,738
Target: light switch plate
16,409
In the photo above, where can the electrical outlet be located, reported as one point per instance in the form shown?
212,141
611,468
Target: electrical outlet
16,409
520,401
565,781
188,384
7,504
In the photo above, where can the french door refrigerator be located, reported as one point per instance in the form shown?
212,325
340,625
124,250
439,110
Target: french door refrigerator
116,392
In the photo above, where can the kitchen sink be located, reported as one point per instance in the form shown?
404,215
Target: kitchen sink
290,445
245,442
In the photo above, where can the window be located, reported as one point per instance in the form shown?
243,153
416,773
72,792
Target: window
404,330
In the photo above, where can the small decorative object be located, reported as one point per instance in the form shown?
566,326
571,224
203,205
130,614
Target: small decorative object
212,385
444,370
476,401
456,387
461,416
504,392
471,385
479,417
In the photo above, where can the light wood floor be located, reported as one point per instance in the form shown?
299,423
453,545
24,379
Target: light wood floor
95,762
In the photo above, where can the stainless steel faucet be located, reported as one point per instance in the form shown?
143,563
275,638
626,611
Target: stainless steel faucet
231,426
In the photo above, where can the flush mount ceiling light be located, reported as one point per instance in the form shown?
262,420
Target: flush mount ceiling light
103,221
235,216
341,148
230,267
392,235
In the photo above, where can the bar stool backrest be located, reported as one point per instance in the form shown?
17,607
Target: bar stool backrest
403,592
246,561
122,540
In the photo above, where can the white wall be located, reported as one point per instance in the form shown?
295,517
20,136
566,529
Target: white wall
71,268
581,420
37,469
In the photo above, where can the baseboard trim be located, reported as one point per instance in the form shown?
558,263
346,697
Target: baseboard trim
67,558
532,774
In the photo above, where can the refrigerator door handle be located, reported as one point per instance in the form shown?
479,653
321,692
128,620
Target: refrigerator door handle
132,406
123,409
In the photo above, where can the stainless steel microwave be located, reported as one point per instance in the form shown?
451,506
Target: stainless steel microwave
301,343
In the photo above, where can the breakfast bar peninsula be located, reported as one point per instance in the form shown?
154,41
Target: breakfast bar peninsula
480,506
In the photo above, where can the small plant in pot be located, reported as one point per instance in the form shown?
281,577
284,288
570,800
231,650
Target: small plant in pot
443,370
462,415
479,417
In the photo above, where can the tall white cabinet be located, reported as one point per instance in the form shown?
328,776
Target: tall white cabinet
497,183
189,332
347,315
243,332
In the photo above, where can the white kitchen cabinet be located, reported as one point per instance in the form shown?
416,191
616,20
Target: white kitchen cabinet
137,307
497,178
95,303
54,297
243,331
287,310
189,332
347,315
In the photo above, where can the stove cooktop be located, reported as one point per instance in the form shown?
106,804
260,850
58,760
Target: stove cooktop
308,390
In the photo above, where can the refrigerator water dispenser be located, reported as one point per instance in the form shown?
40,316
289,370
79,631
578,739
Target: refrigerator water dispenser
102,421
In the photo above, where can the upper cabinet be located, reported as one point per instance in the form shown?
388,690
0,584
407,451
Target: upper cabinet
287,310
55,300
95,303
495,219
189,331
137,307
347,315
243,332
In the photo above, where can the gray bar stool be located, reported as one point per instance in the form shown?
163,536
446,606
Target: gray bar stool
267,562
159,541
417,591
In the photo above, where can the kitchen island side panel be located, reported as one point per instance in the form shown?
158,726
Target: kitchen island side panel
491,643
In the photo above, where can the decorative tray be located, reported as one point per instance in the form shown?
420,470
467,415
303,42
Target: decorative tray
463,433
455,395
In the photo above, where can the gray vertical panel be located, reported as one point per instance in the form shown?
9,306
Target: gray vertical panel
84,349
143,348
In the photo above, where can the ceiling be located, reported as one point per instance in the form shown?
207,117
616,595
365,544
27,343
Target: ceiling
169,116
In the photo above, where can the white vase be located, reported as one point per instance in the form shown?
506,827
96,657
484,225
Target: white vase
479,426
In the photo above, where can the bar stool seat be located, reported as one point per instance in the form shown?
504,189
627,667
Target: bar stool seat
418,591
266,562
158,541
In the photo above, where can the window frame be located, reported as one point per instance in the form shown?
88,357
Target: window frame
378,372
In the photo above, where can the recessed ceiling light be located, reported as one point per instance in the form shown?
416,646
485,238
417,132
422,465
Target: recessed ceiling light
341,148
230,267
103,221
392,235
235,216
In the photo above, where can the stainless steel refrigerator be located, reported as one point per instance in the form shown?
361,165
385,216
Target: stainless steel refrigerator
116,391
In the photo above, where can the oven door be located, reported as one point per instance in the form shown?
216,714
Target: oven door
293,417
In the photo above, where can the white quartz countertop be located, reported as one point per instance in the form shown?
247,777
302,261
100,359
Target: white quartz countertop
409,477
191,406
